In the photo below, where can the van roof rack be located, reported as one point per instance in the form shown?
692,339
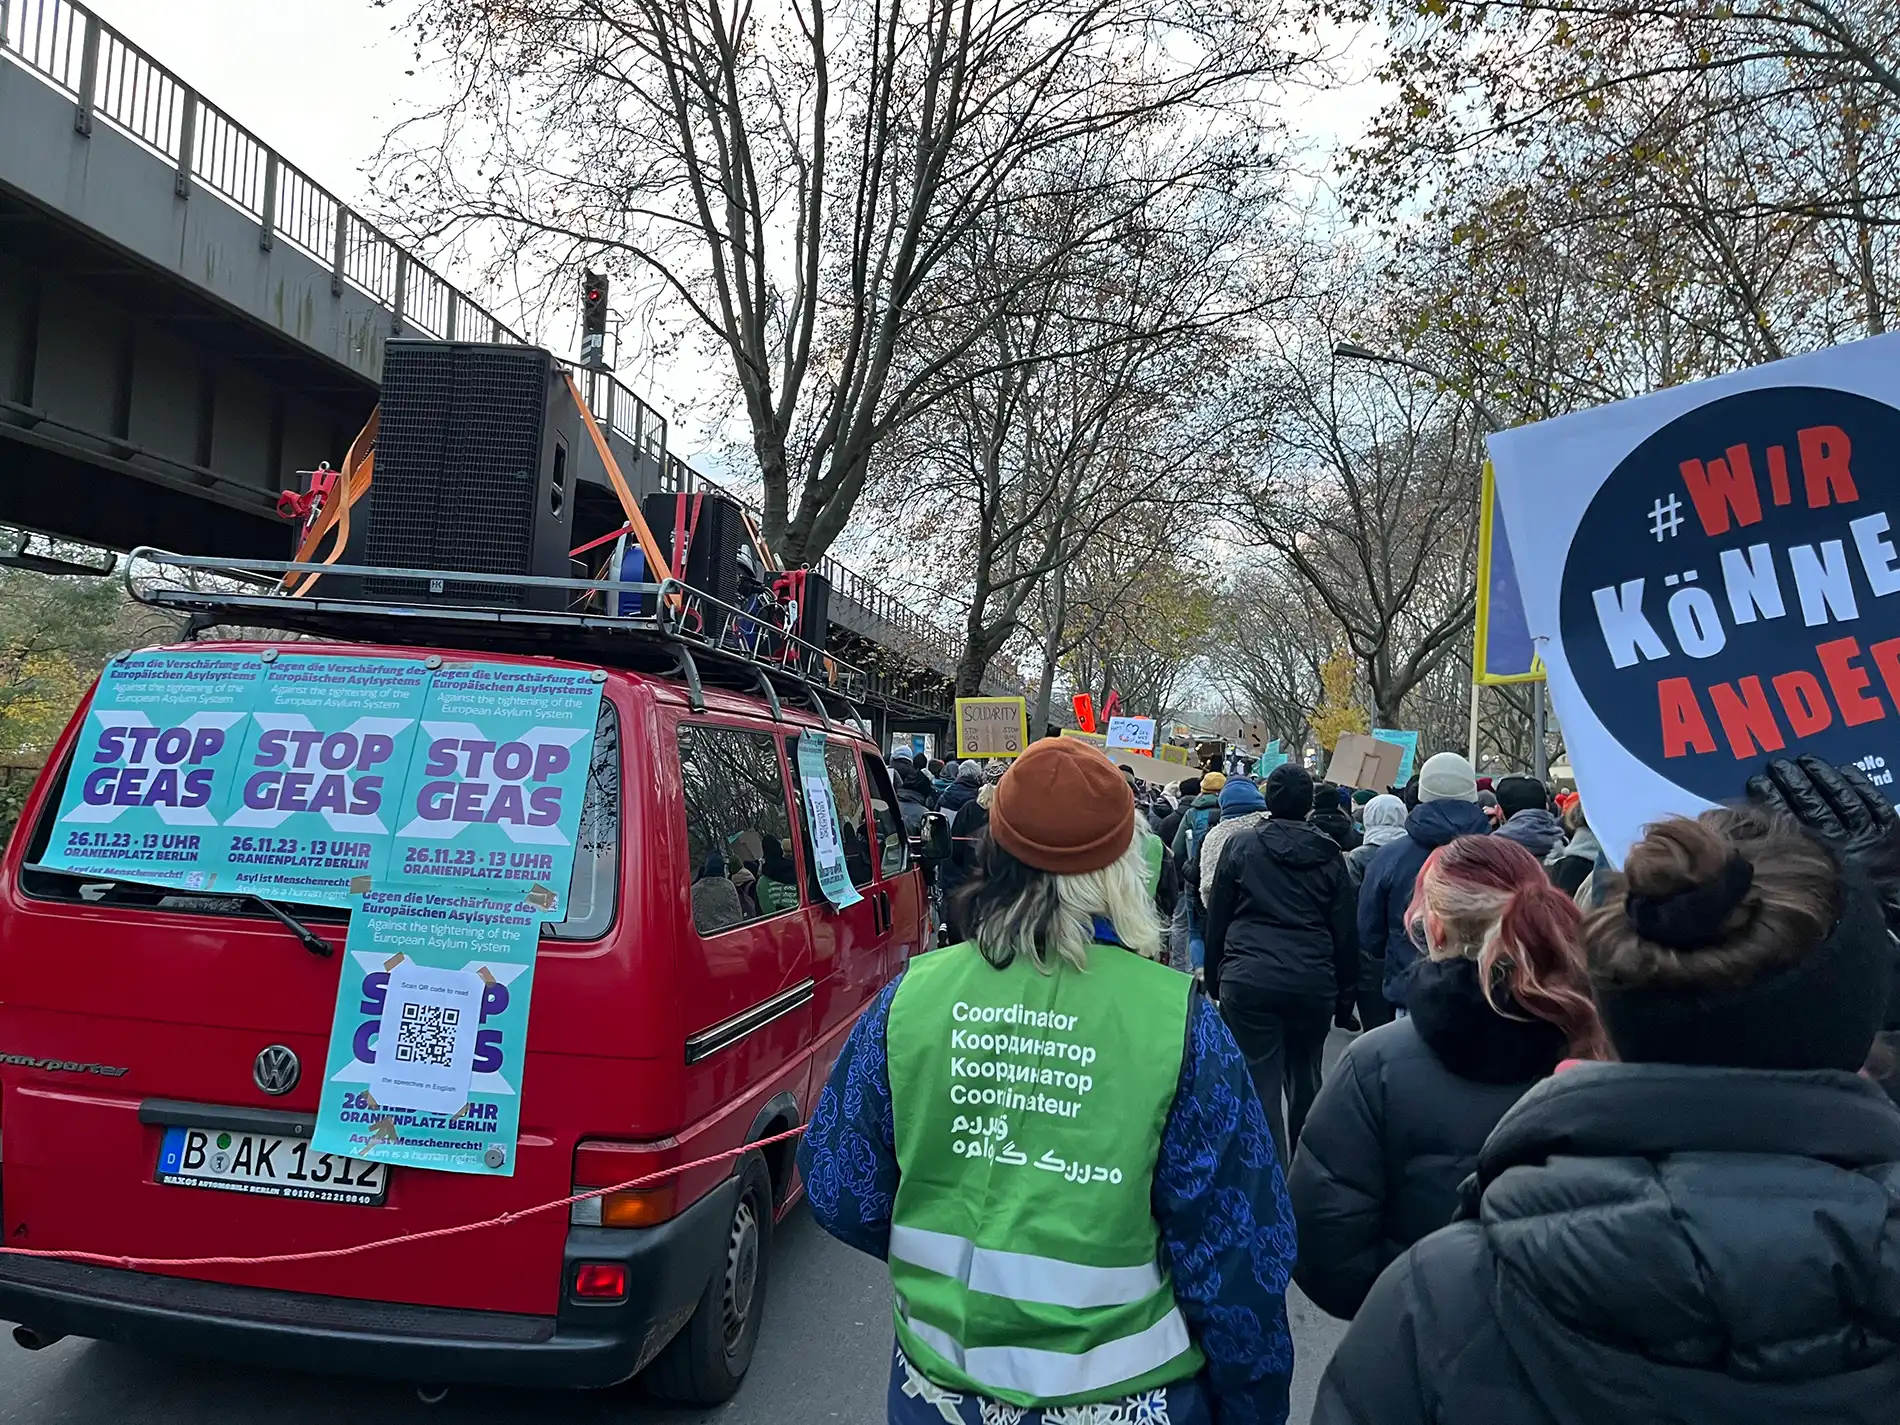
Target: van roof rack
680,631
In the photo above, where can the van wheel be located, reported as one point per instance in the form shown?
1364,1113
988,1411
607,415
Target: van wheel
706,1362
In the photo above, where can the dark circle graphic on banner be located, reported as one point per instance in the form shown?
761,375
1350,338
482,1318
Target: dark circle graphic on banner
1733,591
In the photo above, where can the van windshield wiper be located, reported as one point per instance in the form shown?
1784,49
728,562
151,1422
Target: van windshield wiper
306,937
312,941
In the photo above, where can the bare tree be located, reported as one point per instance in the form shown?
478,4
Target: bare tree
1272,636
789,186
1368,491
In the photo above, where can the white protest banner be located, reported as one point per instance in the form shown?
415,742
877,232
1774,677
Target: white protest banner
1709,574
1135,734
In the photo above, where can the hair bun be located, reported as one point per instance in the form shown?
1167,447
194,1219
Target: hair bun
1693,916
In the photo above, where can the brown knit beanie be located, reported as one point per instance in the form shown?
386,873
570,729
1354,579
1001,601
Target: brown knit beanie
1064,808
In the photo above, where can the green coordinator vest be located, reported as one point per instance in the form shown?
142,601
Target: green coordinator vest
1029,1110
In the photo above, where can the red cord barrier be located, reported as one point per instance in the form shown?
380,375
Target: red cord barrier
102,1259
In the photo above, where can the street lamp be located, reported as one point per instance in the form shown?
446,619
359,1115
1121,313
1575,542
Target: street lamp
1352,351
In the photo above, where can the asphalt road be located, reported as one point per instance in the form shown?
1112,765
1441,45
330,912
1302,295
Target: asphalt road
824,1356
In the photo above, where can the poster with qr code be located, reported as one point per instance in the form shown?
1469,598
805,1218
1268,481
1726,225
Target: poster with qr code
482,853
1706,572
454,1104
428,1022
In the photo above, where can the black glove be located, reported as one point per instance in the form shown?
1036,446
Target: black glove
1345,1015
1841,807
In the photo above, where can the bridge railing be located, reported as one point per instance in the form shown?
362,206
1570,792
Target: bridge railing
111,79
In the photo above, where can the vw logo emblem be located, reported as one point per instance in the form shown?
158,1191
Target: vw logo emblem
276,1069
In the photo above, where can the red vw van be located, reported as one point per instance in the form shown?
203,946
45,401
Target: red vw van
692,1001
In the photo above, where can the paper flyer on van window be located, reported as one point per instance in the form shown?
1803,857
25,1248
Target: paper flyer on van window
427,949
154,768
321,778
1710,574
821,817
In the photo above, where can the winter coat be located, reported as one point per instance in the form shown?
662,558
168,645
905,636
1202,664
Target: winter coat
1385,823
913,806
1535,829
1219,838
1194,825
956,796
1385,946
1651,1243
1336,824
1280,915
1570,868
1398,1124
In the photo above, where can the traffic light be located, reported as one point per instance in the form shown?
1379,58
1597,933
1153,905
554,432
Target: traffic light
594,320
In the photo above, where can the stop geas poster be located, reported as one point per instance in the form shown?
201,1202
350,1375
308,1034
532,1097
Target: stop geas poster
1710,573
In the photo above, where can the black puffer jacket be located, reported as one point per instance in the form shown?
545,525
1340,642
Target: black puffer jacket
1280,914
1398,1125
1657,1245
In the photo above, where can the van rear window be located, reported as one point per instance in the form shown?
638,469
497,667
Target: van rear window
592,892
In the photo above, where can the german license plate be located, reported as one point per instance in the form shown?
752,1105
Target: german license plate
266,1164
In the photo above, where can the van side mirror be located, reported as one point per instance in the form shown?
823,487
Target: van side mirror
933,838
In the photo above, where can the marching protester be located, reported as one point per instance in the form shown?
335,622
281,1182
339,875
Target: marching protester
1329,815
1580,855
1185,793
1499,998
1282,957
1241,807
1384,822
1709,1228
967,821
913,802
1123,1258
962,791
1196,821
1525,807
1447,808
1199,816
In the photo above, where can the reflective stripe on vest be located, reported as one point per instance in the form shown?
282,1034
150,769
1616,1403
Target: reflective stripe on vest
1054,1375
1020,1276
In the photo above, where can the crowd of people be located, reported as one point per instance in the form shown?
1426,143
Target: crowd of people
1607,1144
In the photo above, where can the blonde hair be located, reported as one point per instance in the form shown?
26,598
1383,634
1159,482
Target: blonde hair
1014,908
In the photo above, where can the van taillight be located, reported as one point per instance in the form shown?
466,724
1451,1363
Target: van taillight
599,1164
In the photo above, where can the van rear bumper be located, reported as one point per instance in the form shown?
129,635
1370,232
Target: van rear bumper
583,1346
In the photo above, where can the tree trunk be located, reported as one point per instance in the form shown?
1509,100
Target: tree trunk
981,644
1051,647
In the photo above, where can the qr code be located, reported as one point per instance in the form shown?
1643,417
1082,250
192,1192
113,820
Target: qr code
427,1034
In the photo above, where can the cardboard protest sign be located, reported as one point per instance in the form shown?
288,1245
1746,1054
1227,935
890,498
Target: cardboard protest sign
1708,573
992,727
1136,734
1362,761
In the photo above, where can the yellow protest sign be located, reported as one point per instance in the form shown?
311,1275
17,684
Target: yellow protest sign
992,727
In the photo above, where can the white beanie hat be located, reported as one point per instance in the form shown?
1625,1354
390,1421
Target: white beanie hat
1447,777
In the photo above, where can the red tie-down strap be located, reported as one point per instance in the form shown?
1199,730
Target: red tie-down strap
103,1259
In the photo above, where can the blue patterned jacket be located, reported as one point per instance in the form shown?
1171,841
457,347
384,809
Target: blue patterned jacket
1219,1199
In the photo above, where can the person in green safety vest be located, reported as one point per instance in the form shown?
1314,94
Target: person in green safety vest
1053,1141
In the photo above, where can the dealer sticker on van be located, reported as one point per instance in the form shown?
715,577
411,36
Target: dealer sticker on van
266,1164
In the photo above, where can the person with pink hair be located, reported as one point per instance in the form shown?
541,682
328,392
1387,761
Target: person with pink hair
1498,998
